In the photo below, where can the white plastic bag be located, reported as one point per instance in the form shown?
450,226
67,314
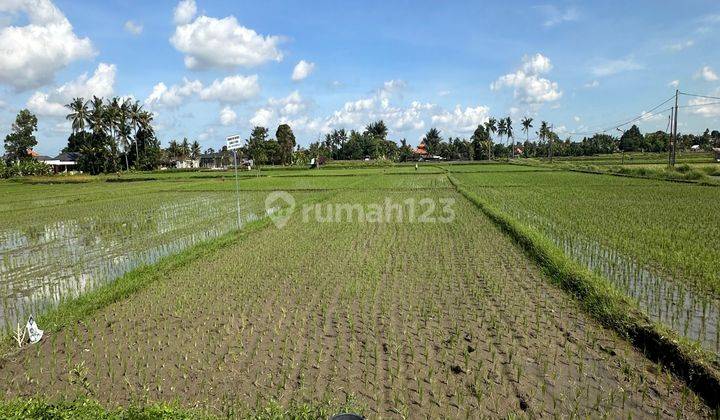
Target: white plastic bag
34,333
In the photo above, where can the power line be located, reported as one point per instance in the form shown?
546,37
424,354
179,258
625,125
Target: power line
621,123
699,96
699,105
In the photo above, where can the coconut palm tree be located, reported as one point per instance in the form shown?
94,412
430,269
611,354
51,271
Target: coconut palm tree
544,134
123,127
527,125
510,135
96,118
134,111
502,129
79,114
491,128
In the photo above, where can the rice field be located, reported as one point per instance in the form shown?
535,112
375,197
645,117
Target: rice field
657,241
426,309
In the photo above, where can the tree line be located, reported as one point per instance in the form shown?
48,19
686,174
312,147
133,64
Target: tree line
115,134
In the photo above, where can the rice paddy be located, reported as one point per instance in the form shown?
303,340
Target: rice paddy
404,316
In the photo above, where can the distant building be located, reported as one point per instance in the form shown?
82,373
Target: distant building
64,162
213,161
422,154
187,163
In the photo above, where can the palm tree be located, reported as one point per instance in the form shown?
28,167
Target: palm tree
527,125
134,111
123,128
112,117
544,133
491,128
502,129
96,119
509,134
79,114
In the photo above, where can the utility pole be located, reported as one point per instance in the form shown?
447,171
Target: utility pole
550,142
675,118
670,144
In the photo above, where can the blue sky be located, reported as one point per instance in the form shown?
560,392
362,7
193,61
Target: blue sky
209,69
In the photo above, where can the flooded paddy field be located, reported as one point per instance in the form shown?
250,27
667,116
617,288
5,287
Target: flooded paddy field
405,317
658,242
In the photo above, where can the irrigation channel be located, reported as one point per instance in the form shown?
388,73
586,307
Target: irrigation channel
41,265
693,314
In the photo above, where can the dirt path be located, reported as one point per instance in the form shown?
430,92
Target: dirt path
417,320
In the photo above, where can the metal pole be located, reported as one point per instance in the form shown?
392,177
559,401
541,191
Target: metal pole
237,189
674,144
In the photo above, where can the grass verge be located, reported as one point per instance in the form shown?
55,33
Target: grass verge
610,307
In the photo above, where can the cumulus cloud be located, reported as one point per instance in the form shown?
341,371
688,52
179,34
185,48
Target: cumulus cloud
462,120
707,73
173,96
263,117
227,116
133,28
674,83
292,104
100,84
610,67
232,89
302,70
30,55
592,85
209,42
527,84
184,12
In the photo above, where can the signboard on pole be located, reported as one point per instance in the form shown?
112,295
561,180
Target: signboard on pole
233,142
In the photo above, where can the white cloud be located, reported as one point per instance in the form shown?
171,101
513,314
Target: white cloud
707,74
173,96
184,12
610,67
679,46
292,104
302,70
100,84
536,64
674,83
232,89
220,43
444,93
227,116
30,55
593,84
462,120
528,86
705,107
576,118
133,28
263,117
555,16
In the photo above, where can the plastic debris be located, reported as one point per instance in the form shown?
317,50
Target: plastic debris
34,333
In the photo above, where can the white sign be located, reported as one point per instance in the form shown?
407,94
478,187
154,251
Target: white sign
233,142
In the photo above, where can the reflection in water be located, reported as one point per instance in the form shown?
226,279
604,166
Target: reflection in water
40,265
691,313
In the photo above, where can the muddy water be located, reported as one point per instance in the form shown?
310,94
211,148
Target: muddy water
40,265
693,314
